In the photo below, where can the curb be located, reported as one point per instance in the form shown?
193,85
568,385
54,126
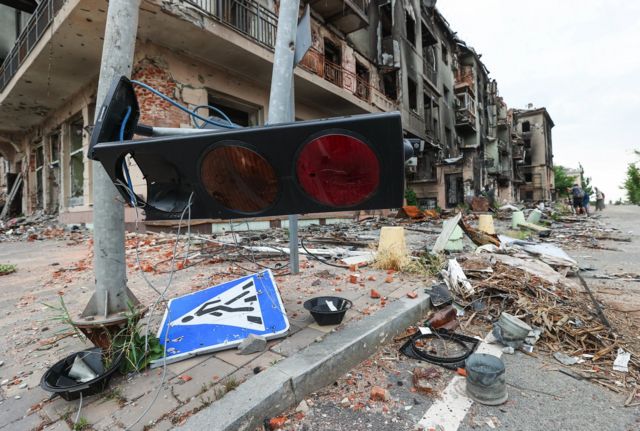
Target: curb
288,382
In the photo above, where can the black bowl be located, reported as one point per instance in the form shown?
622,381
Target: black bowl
323,314
57,379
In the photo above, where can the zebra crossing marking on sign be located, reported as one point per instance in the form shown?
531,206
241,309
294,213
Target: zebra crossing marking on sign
221,316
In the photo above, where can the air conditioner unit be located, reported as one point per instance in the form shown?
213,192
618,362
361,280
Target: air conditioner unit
412,162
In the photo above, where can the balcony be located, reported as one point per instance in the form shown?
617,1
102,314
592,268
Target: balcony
318,64
503,146
390,53
30,36
518,152
246,16
430,71
465,80
465,112
346,15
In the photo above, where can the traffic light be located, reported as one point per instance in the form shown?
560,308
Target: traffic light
338,164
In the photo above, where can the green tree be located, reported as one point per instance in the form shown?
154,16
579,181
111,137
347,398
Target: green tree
586,182
632,184
562,180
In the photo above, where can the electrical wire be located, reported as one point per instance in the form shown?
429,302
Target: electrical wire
193,114
75,421
218,111
125,168
319,259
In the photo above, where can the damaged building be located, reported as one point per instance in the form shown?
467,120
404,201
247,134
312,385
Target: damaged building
366,56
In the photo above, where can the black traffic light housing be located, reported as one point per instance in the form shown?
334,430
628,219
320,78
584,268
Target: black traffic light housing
339,164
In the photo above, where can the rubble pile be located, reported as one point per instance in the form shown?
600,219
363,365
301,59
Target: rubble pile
38,227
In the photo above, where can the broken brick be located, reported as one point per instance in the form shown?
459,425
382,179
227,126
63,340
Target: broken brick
185,378
353,279
353,268
389,279
375,294
277,422
379,394
412,295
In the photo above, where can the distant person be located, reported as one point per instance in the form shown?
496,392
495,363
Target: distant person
577,194
599,200
586,198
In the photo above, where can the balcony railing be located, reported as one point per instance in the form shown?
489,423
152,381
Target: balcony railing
246,16
32,33
317,64
333,72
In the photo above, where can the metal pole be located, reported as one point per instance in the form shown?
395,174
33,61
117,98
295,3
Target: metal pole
281,104
111,294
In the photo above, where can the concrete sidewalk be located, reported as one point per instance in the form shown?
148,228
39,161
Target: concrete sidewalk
49,268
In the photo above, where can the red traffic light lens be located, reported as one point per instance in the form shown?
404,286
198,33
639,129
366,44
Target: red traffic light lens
338,170
239,179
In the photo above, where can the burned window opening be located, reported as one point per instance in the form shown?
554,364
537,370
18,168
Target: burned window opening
390,84
410,28
76,161
526,127
413,95
362,81
386,20
332,62
238,113
444,53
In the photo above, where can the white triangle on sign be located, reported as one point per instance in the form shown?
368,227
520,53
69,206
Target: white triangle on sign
237,306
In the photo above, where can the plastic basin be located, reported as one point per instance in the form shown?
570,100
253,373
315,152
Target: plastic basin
323,313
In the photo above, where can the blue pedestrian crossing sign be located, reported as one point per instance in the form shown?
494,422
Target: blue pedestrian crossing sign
221,316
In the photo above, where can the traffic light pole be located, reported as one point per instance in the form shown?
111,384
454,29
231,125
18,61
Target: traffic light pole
281,98
111,296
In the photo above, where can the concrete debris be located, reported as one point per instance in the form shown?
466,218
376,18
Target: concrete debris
252,344
456,279
424,379
621,363
566,359
303,407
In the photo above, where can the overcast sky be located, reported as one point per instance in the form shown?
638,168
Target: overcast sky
578,58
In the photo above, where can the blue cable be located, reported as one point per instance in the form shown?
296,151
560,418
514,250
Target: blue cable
230,125
125,168
218,111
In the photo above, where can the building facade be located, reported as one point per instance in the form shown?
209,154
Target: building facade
366,56
533,126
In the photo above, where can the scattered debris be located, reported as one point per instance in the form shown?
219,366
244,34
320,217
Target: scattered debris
566,359
252,344
423,379
621,363
379,394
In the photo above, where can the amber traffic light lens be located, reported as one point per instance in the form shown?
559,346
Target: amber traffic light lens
338,170
239,179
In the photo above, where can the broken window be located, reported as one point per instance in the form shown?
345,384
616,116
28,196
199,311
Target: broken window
410,27
526,127
448,139
445,54
527,158
386,20
239,113
362,81
413,95
54,172
528,195
332,62
390,84
454,189
38,154
76,162
528,177
446,95
527,144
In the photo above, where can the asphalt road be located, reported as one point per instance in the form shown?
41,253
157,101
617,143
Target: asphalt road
540,397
